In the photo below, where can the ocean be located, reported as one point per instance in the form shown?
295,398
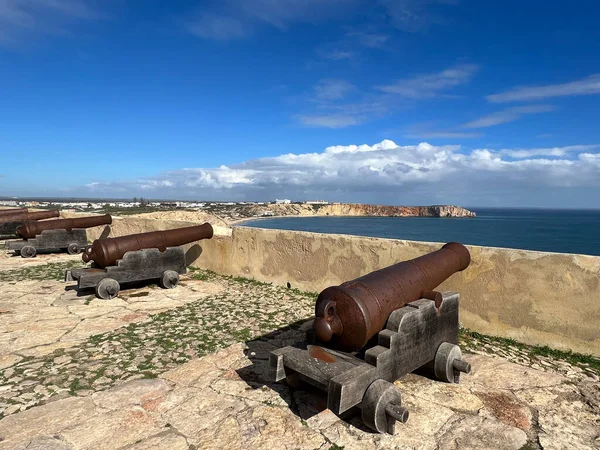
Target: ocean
563,231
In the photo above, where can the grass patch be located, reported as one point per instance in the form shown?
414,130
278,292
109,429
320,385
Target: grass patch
42,272
74,386
203,274
575,359
207,275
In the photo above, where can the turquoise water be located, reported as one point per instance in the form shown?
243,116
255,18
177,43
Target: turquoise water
565,231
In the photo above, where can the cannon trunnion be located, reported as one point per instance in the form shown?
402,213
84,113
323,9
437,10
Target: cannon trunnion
418,333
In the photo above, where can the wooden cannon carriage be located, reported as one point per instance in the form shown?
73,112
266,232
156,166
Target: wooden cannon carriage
157,255
54,235
369,332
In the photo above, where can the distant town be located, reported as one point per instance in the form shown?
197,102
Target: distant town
227,210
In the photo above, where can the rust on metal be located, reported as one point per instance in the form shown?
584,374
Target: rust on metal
320,354
4,212
435,296
36,215
31,228
106,252
348,315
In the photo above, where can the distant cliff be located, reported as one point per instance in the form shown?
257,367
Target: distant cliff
357,209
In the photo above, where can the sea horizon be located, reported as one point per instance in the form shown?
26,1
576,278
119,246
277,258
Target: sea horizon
570,231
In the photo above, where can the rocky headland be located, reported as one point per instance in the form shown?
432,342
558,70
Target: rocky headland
351,209
229,214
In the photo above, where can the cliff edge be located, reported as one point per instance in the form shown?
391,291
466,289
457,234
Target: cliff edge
357,209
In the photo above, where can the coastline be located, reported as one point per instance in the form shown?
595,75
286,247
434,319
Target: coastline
272,211
304,216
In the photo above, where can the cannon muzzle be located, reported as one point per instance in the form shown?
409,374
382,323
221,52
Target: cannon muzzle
4,212
106,252
31,228
348,315
36,215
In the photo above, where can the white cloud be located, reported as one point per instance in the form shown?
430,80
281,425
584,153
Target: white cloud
330,120
217,27
508,115
386,172
585,86
442,135
550,151
235,18
336,54
330,89
336,103
415,15
432,85
21,19
351,45
280,13
367,39
386,144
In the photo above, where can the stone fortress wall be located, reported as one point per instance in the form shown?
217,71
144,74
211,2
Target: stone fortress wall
533,297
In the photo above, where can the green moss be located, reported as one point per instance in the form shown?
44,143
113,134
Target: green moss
202,274
74,386
576,359
41,272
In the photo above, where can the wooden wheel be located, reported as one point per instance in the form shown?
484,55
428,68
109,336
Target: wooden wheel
73,249
382,407
448,363
169,279
28,251
107,288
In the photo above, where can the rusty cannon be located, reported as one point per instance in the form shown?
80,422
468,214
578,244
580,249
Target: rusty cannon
59,234
26,215
10,221
371,331
137,257
5,212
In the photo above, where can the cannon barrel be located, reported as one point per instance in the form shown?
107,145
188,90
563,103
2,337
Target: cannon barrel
36,215
9,212
106,252
348,315
31,228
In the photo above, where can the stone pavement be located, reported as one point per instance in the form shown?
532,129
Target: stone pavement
223,400
186,369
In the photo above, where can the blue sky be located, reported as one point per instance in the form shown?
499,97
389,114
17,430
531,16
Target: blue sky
398,102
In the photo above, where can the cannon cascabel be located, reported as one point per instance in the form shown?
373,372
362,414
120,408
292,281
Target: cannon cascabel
348,315
106,252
